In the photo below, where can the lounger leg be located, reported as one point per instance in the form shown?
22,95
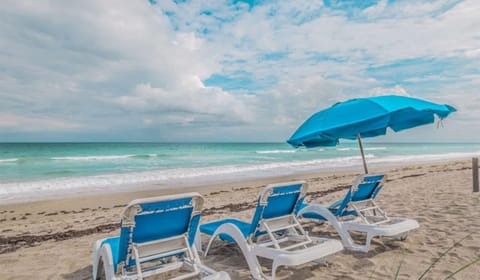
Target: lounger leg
96,257
101,274
402,237
198,241
208,245
274,269
137,263
237,236
254,265
324,212
103,257
368,241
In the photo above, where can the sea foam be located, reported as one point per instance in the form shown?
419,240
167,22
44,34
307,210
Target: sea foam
277,152
165,177
87,158
8,160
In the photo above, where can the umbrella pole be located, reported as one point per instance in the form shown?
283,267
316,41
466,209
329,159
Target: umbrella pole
363,155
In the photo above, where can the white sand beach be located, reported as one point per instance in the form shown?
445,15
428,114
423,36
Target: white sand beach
53,239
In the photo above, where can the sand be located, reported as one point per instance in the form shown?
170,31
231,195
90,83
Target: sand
53,239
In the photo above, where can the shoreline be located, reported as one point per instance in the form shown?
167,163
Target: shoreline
60,232
193,183
125,195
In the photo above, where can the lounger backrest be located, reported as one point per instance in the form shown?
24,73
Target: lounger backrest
367,186
381,178
277,200
344,203
152,219
363,187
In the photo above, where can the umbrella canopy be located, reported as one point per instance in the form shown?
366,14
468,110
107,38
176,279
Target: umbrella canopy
366,117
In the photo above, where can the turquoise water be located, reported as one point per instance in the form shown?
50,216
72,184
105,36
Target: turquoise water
38,169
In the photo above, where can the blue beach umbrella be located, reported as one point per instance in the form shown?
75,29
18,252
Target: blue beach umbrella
366,117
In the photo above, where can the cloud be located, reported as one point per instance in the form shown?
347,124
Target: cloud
213,70
396,90
193,98
74,61
376,10
22,123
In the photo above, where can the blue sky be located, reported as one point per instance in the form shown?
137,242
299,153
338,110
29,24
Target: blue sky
211,70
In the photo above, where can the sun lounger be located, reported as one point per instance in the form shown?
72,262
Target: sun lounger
274,232
156,237
359,212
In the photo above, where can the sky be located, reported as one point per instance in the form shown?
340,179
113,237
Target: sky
228,71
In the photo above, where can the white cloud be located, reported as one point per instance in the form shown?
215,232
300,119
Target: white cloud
39,124
191,98
396,90
125,66
376,10
72,60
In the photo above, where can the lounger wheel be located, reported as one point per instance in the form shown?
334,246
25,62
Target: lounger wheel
399,237
402,237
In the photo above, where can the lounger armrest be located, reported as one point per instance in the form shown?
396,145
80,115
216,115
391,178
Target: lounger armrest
319,209
210,227
338,225
236,234
231,230
334,205
102,255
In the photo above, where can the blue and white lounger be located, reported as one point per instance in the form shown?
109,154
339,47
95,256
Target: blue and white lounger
156,237
358,211
274,232
364,187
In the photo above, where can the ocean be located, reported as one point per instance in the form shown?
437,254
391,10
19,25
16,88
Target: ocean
40,170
